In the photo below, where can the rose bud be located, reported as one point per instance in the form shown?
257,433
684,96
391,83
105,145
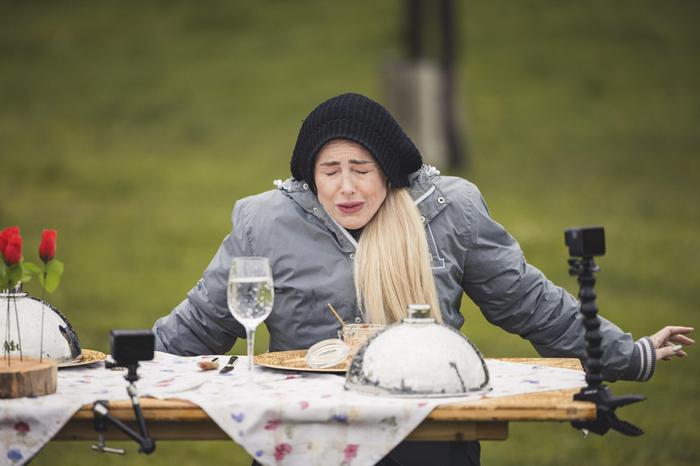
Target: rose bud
5,236
47,247
13,250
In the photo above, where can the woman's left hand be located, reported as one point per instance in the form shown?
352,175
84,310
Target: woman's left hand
669,337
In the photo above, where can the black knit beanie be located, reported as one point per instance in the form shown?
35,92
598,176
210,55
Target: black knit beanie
364,121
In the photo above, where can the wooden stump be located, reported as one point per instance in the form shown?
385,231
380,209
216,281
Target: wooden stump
27,378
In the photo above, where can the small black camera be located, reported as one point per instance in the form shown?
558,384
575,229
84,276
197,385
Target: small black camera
585,241
131,346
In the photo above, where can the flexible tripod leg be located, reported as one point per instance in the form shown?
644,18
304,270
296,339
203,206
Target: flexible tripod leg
596,391
101,412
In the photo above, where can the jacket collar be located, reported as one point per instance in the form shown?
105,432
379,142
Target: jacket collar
429,199
424,191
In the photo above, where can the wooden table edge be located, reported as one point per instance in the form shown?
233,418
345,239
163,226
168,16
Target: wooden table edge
485,419
183,420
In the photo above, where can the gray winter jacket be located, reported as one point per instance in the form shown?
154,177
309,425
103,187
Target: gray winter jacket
312,259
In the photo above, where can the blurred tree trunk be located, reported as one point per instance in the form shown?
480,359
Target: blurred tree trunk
420,88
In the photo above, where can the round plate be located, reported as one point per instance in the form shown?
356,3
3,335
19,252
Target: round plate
295,360
86,357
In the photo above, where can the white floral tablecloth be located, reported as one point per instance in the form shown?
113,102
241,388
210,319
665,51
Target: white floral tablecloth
285,418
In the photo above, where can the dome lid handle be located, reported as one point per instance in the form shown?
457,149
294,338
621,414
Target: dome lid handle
419,311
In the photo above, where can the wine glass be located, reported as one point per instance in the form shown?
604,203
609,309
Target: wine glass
250,297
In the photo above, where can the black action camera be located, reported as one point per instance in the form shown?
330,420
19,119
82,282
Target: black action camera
131,346
585,241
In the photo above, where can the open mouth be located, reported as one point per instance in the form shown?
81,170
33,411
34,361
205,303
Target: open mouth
349,207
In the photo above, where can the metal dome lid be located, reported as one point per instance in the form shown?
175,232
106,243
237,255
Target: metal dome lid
61,343
418,358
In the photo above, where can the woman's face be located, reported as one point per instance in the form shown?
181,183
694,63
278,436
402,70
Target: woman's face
350,184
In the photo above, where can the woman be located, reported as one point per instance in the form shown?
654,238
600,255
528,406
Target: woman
363,224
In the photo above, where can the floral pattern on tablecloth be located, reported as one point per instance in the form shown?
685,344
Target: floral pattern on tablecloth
285,418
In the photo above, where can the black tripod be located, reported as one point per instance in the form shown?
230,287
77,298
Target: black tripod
584,244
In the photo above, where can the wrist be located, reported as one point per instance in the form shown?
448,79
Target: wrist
642,362
648,359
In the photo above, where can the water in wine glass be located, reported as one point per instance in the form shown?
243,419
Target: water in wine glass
250,299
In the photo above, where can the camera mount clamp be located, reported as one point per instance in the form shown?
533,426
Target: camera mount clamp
100,410
584,244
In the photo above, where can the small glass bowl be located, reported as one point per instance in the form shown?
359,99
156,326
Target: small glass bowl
355,335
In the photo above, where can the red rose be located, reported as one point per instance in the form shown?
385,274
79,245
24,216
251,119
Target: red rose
47,247
13,250
5,236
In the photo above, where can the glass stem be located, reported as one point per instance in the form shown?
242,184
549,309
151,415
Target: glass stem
250,337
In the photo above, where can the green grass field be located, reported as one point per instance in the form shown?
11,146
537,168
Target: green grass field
132,128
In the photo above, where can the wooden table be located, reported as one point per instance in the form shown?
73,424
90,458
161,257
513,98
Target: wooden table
472,420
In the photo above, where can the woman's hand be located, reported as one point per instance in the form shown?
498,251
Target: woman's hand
667,339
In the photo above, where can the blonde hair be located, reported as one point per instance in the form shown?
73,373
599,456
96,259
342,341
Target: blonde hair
392,264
